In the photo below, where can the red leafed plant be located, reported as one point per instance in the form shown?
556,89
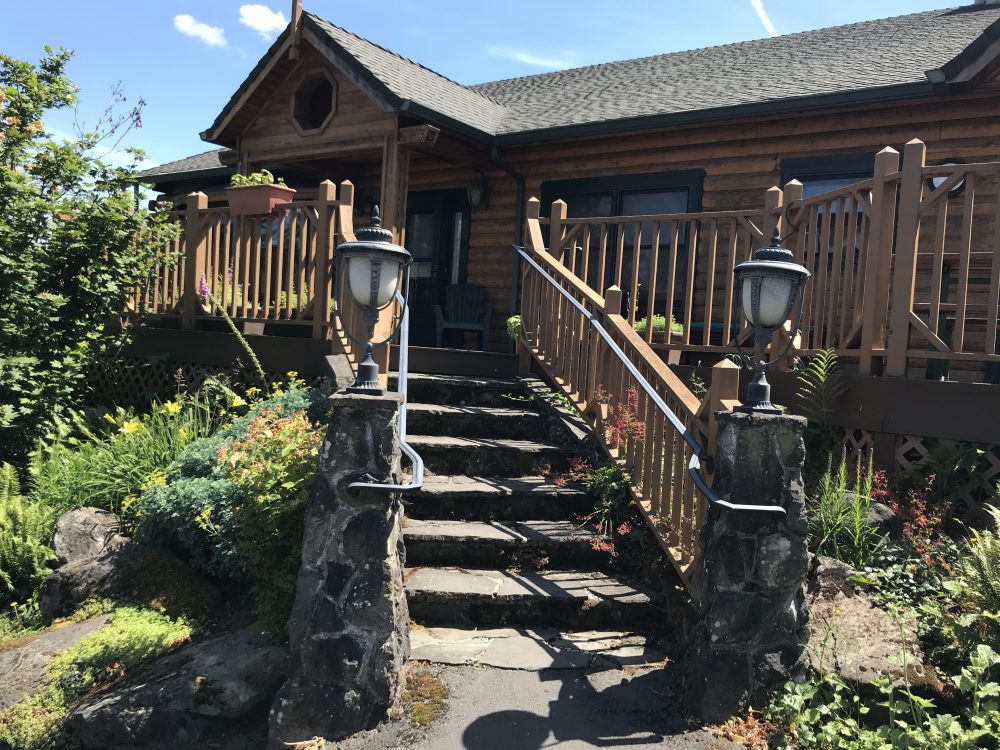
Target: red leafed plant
623,424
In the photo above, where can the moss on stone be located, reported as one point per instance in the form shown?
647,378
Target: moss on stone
424,697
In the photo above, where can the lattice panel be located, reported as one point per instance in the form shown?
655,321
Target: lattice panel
970,498
857,443
131,381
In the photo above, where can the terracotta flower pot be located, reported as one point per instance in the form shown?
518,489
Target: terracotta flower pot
257,200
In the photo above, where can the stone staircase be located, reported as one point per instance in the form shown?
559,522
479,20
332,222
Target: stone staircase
492,540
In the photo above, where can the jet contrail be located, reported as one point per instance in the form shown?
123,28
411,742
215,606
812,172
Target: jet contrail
758,6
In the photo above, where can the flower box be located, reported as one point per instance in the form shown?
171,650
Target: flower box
257,200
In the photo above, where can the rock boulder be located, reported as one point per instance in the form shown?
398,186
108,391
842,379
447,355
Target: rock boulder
85,532
210,689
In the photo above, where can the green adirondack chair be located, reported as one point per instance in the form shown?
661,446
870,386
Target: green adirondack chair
463,311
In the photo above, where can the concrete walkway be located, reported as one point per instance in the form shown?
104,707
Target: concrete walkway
545,690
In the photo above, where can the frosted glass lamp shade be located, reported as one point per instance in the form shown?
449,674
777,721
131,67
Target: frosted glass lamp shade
773,300
372,279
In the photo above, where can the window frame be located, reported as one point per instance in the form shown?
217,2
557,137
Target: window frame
829,167
691,179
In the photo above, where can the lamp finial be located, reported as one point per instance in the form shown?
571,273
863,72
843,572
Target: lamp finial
376,219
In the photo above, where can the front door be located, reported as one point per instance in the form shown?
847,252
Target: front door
437,236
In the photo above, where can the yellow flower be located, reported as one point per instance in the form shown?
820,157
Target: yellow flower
109,419
131,427
182,434
237,401
252,392
172,408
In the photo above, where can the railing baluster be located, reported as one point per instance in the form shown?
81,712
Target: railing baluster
713,228
964,249
693,227
651,284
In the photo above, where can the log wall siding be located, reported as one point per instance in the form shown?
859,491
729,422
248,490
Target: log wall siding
741,160
357,117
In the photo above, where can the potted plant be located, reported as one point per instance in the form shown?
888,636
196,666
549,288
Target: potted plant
257,193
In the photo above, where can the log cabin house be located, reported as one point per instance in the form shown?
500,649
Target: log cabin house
701,130
683,151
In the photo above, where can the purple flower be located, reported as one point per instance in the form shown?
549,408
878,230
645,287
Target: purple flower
203,289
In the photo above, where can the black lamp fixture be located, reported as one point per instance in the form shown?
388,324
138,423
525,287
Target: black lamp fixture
476,192
376,270
769,285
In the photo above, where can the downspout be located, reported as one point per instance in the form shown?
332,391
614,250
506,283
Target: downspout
515,282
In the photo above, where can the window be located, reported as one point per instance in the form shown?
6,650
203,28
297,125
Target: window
630,195
821,174
314,102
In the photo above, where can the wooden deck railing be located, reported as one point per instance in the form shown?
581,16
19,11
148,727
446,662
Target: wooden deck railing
260,269
635,431
905,267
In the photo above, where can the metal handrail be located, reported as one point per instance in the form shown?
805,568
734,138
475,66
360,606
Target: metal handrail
417,480
697,451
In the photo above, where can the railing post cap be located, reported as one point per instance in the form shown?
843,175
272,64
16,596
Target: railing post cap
915,142
888,150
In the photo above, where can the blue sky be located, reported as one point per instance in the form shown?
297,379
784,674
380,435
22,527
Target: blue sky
186,57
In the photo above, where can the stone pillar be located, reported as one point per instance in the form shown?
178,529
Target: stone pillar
750,625
348,632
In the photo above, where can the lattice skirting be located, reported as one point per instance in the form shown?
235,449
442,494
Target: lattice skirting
132,381
969,497
912,453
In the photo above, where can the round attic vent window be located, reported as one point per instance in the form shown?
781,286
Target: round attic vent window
314,102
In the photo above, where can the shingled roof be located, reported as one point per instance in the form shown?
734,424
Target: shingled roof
209,162
891,58
872,56
881,59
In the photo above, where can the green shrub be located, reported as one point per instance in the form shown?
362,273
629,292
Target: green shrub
273,466
838,515
233,503
659,324
263,177
514,327
824,712
25,528
111,469
73,245
168,517
131,638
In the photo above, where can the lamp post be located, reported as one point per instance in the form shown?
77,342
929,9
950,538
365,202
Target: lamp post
769,284
376,269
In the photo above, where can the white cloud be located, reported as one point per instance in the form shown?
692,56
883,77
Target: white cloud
758,7
213,36
268,23
560,60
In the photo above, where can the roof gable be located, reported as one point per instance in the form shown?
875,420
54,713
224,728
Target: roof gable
903,56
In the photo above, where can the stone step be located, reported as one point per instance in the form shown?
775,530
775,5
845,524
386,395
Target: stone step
481,499
502,457
463,391
548,598
534,649
525,544
474,421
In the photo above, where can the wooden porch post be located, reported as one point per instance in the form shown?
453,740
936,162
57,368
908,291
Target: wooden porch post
324,258
878,260
558,219
905,269
395,181
194,256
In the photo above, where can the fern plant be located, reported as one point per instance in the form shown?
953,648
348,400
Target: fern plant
981,565
820,385
24,530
